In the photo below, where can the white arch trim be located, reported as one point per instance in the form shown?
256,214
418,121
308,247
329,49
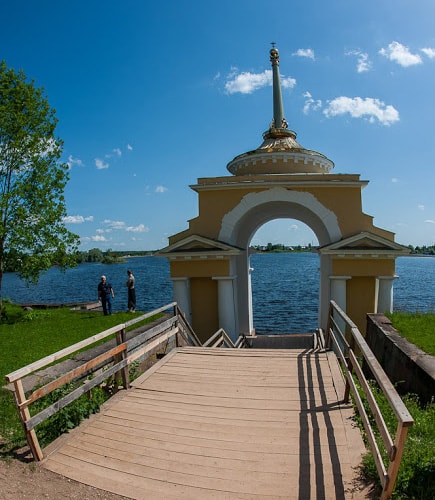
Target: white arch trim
278,194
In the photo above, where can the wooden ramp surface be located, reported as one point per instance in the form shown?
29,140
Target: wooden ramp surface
209,423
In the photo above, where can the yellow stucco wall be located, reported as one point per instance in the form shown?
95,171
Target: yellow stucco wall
340,193
204,297
362,267
199,269
360,298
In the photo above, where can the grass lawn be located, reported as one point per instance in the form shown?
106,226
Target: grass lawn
418,328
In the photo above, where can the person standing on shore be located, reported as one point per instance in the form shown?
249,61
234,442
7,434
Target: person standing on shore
131,292
105,294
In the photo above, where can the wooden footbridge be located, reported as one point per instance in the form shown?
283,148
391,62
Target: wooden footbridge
207,422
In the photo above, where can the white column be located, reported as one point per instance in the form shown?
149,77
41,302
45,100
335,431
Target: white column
338,295
338,290
181,287
324,290
227,305
251,309
385,294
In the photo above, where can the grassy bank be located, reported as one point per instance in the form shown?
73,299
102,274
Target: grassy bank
418,328
416,479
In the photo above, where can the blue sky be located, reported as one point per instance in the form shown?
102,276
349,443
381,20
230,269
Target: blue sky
152,95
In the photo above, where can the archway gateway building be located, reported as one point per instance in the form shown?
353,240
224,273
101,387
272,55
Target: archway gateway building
209,262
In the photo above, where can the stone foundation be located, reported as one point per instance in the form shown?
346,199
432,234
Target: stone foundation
409,368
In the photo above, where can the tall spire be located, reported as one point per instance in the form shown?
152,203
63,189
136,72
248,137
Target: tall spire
278,110
280,152
279,126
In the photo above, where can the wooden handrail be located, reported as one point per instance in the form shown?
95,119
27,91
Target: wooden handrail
118,356
71,375
186,324
48,360
350,364
241,342
218,339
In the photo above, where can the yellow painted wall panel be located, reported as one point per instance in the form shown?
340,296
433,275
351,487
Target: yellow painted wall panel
205,320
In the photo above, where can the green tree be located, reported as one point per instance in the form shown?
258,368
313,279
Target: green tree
95,255
33,236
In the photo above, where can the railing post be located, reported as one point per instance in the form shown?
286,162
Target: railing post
393,468
177,313
31,437
121,337
349,368
328,339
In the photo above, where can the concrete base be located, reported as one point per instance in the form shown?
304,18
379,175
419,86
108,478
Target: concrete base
290,341
407,366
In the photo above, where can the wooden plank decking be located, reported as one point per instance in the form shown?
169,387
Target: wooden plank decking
221,424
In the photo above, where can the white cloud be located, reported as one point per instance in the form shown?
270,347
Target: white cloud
116,152
400,54
311,104
363,62
161,189
357,107
137,229
77,219
247,83
74,162
420,207
114,224
430,221
429,52
98,237
309,53
100,164
121,226
288,82
394,180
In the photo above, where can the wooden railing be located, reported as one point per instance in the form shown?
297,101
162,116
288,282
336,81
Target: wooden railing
221,339
186,331
345,337
115,362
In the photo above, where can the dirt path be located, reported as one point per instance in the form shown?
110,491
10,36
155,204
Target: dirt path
20,480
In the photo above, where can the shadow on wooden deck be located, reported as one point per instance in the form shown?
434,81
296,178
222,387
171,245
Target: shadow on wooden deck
222,424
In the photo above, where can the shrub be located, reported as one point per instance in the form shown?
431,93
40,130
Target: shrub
70,416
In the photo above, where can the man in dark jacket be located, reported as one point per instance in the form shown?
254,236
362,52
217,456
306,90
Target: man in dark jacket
105,294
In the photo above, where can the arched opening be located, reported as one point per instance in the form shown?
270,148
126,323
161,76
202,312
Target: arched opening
257,208
285,277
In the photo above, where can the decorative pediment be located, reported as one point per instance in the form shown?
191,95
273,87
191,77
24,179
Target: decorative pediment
198,247
365,244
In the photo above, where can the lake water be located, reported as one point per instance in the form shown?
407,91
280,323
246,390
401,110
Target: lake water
285,287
